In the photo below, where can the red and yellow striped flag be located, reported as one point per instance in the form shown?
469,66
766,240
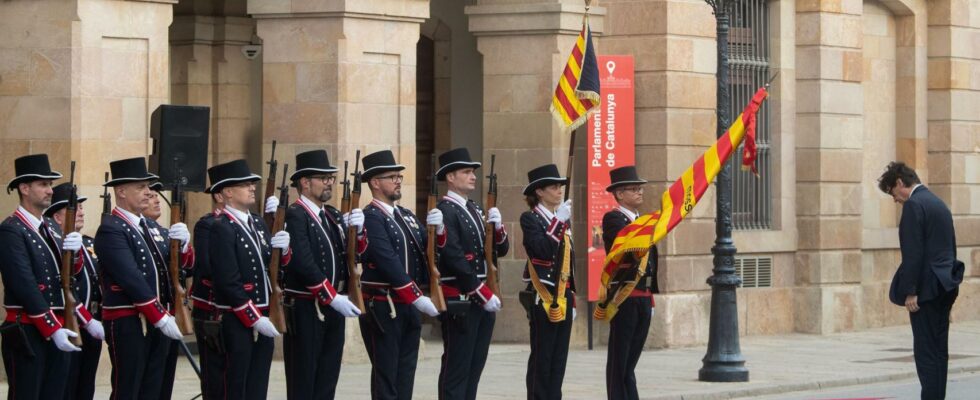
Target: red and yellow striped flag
683,194
577,93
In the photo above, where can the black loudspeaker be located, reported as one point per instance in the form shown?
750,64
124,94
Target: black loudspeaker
180,132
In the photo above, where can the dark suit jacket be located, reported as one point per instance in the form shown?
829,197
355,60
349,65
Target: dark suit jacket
462,258
928,244
319,251
544,245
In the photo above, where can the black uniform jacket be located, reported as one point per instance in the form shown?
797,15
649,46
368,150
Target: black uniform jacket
462,258
395,255
613,222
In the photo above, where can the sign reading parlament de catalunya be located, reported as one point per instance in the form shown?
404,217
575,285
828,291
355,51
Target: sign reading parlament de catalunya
611,138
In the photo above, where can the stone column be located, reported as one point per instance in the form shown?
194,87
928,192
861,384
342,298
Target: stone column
525,46
828,174
340,75
954,131
208,68
78,81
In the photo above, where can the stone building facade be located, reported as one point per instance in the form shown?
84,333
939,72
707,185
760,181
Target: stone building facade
859,83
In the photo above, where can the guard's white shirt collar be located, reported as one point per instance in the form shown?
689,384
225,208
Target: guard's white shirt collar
548,215
130,217
390,209
456,197
241,216
629,214
35,221
309,203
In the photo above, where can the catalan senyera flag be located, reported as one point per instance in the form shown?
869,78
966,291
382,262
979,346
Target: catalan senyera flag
683,194
577,93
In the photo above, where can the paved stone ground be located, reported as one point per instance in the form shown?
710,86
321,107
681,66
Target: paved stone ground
777,364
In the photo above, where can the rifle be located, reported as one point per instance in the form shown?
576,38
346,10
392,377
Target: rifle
352,198
276,314
179,293
489,245
106,199
270,187
67,257
435,290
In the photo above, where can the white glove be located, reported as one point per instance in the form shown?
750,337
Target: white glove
344,306
564,212
653,311
168,326
179,232
265,328
492,305
60,339
493,217
72,242
280,240
435,218
355,218
424,304
271,204
95,328
574,314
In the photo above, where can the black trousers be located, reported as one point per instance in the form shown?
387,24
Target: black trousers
393,347
240,368
549,353
83,368
312,350
465,342
627,335
41,376
930,338
143,359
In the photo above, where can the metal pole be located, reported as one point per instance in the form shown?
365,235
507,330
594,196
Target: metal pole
723,361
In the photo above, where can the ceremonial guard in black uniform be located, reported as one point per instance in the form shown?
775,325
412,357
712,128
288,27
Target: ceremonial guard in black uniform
84,364
468,324
34,345
238,353
551,280
393,262
629,326
133,252
315,309
205,315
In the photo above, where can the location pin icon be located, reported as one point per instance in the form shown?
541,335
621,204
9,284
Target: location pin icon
610,66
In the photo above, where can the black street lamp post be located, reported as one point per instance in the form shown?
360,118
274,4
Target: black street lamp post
723,361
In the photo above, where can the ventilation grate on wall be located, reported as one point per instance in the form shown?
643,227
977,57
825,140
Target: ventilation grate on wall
756,272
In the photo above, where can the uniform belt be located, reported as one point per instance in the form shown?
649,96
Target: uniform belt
15,315
383,296
109,314
299,296
452,291
200,305
641,293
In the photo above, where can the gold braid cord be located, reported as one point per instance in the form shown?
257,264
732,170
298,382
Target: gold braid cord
556,313
622,293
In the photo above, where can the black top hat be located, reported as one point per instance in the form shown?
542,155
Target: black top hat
543,176
229,173
623,176
129,170
59,199
156,186
378,163
312,163
454,159
31,168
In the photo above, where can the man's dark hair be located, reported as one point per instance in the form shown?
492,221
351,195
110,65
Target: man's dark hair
896,171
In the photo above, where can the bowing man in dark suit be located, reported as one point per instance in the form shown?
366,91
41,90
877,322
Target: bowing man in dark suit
240,249
467,327
316,310
84,364
393,262
35,346
927,281
550,274
133,253
629,327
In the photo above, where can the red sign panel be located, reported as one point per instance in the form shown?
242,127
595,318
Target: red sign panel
611,145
